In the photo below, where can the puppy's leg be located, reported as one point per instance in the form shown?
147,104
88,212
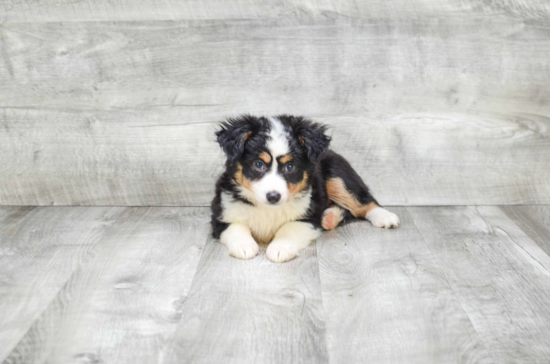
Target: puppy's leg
239,241
332,217
290,240
346,188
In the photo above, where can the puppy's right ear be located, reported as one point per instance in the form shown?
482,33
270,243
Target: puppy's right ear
235,132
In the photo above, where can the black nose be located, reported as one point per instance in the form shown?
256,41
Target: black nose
273,197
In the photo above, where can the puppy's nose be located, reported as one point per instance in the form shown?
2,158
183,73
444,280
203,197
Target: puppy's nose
273,197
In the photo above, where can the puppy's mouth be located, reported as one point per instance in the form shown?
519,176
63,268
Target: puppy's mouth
273,204
278,204
273,198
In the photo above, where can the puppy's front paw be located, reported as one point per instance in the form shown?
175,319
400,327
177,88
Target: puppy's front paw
280,251
382,218
246,249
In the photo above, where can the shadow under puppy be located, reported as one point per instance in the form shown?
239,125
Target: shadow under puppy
282,186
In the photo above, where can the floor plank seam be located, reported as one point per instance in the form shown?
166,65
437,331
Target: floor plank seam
484,220
329,361
455,294
85,261
170,343
522,248
45,309
461,270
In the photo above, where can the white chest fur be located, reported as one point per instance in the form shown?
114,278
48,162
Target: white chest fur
264,221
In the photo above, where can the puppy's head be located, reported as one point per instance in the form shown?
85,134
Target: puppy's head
271,159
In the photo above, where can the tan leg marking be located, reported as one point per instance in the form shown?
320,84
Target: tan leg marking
337,192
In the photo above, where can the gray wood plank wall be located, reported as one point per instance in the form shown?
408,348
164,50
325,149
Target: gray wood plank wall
435,103
87,10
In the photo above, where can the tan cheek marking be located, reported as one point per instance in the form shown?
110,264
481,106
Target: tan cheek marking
241,179
287,158
295,188
337,192
265,157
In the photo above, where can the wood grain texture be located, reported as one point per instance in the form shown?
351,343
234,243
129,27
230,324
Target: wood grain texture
39,250
534,221
135,158
313,67
252,311
87,10
500,222
387,299
123,306
108,10
133,285
124,159
400,9
502,283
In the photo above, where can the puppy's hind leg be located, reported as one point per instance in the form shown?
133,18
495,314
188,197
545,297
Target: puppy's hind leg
346,188
332,217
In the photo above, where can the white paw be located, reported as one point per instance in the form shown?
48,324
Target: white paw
246,249
382,218
280,251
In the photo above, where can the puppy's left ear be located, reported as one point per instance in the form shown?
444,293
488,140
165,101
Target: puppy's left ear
234,133
312,136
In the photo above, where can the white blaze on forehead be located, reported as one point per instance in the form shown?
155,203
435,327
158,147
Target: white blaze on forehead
273,181
278,142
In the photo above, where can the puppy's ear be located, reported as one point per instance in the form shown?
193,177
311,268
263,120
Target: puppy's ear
234,133
312,136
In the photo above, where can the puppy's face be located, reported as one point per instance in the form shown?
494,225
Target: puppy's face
272,158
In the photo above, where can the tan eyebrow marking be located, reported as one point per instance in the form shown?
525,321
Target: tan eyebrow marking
285,159
337,192
265,157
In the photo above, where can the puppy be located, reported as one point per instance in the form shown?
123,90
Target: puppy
283,186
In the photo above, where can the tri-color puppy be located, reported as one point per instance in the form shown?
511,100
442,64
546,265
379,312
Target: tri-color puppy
282,186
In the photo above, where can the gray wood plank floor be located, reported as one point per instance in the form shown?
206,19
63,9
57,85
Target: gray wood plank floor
146,285
389,301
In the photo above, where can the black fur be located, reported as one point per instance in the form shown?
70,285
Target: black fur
334,165
245,137
311,136
234,134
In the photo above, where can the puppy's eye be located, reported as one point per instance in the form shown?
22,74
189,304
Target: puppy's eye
289,167
259,165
